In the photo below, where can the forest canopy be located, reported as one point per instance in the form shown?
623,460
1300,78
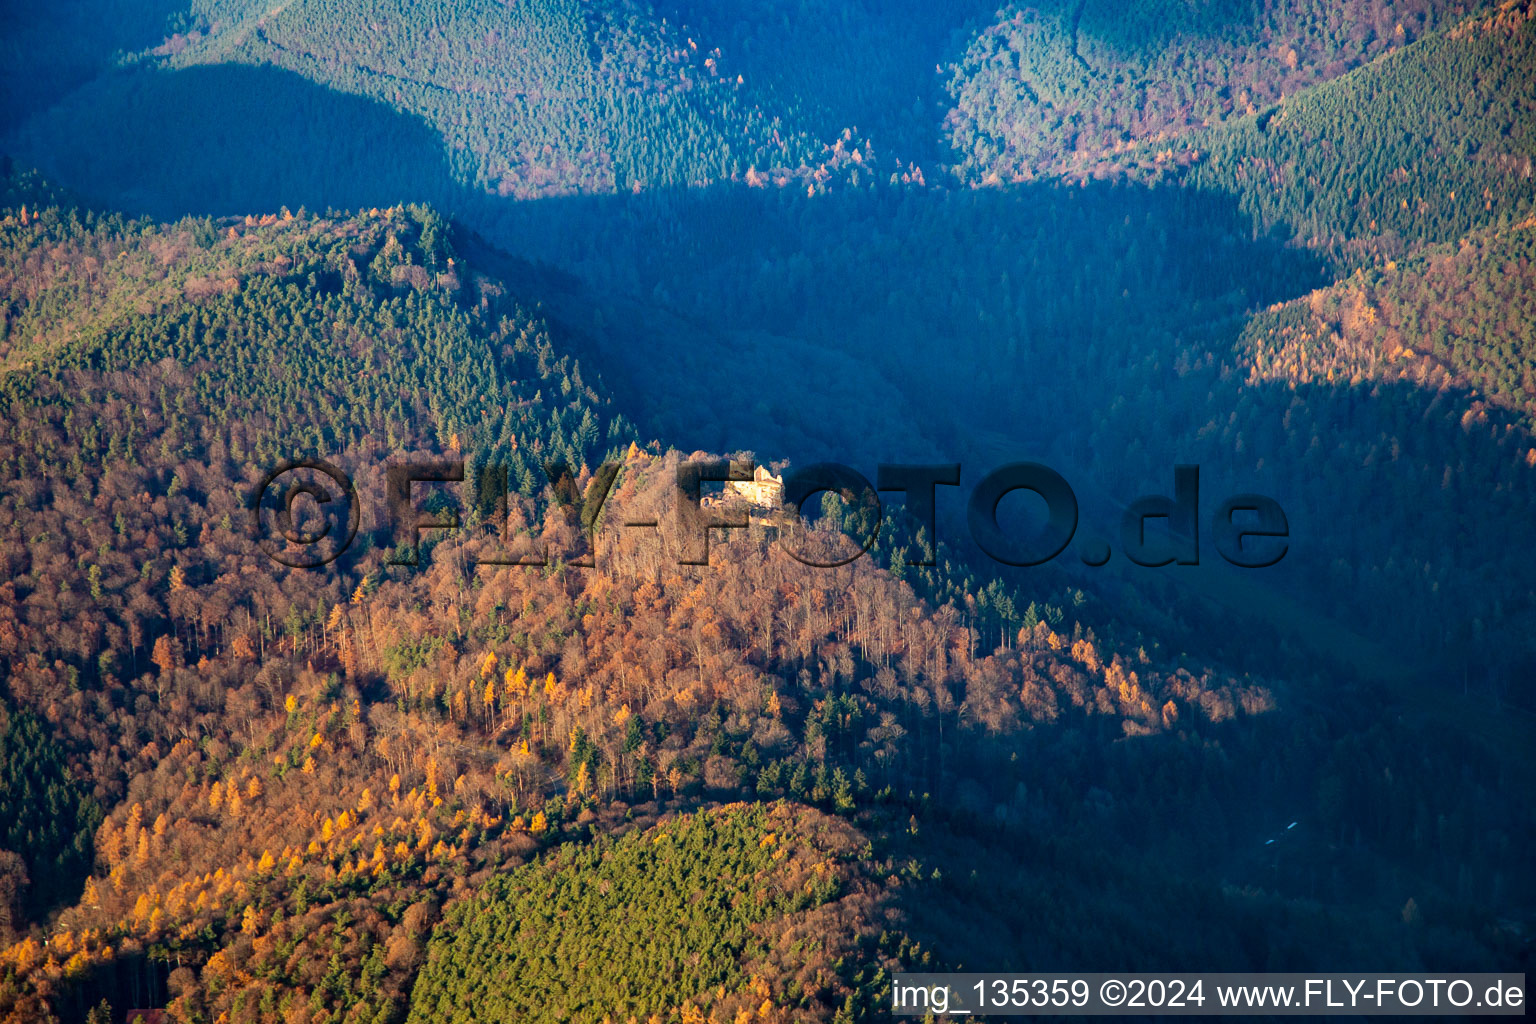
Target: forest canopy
571,247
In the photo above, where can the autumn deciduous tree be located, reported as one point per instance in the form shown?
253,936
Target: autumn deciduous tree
165,655
242,648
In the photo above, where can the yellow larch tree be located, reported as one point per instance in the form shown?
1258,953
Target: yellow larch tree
335,621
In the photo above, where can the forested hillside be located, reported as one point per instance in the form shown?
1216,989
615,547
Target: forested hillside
526,100
1142,324
1083,86
578,244
1455,318
49,51
289,333
1378,154
303,769
687,919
